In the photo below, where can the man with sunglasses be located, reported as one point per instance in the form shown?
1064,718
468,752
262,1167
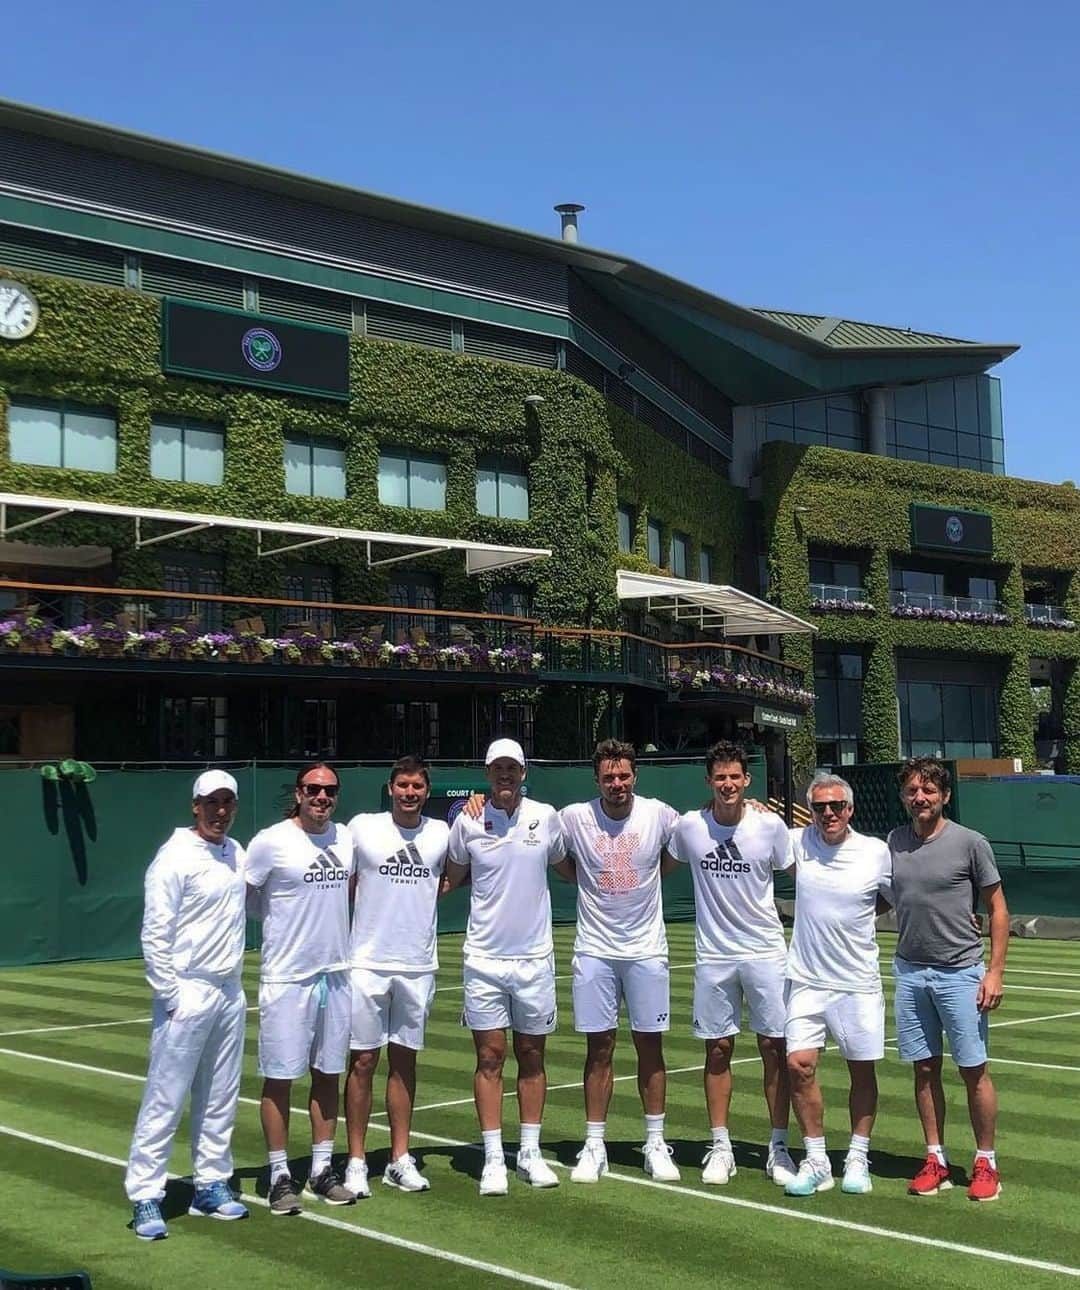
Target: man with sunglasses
842,880
301,870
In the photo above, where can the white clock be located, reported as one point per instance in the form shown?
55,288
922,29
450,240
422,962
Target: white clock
18,310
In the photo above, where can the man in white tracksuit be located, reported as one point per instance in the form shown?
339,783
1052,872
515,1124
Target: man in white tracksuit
193,946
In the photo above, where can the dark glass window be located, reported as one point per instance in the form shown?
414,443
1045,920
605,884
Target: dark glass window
184,572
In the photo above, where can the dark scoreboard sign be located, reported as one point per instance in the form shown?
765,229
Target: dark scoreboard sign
248,349
940,528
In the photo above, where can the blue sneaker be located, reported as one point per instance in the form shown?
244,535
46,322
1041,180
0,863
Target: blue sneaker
216,1201
814,1175
146,1221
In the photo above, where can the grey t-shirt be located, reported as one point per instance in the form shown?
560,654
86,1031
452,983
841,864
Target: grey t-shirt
936,884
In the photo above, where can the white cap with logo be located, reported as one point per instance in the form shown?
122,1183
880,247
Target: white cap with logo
505,748
210,781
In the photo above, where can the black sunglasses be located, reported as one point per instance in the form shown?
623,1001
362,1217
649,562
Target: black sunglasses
836,806
313,790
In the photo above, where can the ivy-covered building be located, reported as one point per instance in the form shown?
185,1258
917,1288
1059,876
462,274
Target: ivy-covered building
234,400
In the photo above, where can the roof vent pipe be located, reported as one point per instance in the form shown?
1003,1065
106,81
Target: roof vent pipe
568,213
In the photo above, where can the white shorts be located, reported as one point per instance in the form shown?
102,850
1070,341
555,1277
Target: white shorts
389,1008
855,1020
719,989
518,994
600,985
304,1024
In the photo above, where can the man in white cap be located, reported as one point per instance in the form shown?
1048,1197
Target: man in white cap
193,947
509,955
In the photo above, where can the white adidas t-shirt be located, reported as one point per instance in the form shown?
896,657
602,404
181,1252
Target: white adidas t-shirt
836,889
732,868
510,910
620,914
304,882
398,872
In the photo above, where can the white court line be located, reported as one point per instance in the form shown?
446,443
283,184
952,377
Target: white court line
800,1215
88,1025
415,1247
1043,989
1027,1021
1009,970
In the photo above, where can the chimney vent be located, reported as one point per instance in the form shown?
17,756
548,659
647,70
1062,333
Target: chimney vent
568,213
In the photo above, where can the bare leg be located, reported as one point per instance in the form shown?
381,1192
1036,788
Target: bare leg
651,1071
774,1069
806,1095
362,1065
930,1100
599,1074
531,1076
488,1079
400,1097
274,1113
718,1080
863,1098
982,1104
323,1105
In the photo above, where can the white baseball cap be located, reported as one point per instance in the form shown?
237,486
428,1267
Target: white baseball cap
210,781
505,748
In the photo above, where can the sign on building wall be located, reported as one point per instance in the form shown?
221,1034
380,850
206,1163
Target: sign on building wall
939,528
775,717
249,349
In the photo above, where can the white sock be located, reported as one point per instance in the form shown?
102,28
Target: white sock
991,1156
815,1148
594,1130
721,1137
320,1156
778,1138
938,1152
355,1162
859,1146
279,1166
654,1128
493,1147
530,1137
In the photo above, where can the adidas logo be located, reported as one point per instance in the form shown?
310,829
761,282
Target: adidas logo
725,859
408,863
324,870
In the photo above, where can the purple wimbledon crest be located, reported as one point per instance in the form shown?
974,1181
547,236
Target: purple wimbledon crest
261,349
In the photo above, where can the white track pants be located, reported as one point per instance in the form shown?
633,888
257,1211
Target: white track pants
199,1049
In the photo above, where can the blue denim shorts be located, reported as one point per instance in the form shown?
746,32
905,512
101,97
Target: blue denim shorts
930,1000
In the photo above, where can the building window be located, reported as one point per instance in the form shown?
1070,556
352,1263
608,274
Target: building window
310,582
186,450
513,599
653,537
706,561
838,684
419,591
413,479
66,435
190,573
679,555
416,728
314,467
311,729
627,522
502,489
515,721
194,729
947,720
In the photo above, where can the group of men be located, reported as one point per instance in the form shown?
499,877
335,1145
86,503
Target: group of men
349,959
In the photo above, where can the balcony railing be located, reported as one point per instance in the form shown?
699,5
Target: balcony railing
831,597
917,604
142,627
1051,616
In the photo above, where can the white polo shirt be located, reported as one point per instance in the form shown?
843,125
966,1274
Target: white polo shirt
833,945
620,913
510,909
304,893
398,872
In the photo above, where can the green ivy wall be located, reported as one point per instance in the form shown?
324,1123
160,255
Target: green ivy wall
862,503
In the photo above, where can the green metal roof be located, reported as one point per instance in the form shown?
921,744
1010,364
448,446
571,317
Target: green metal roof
753,355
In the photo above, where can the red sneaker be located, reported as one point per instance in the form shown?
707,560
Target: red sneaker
931,1178
985,1180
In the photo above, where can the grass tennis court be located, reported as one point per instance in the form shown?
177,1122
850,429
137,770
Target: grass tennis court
73,1043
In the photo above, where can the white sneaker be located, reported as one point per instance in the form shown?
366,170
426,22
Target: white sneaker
535,1170
493,1179
591,1162
719,1166
356,1180
658,1161
404,1175
780,1167
857,1181
813,1176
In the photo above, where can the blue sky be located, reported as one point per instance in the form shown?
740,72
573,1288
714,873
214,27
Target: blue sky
915,167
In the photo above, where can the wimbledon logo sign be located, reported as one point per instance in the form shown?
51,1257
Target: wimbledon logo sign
261,349
954,529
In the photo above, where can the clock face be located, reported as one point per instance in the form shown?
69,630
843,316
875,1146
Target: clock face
18,310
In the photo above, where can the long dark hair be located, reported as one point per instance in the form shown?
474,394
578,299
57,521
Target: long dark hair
293,808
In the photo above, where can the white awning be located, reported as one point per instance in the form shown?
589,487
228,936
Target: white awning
480,557
727,609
